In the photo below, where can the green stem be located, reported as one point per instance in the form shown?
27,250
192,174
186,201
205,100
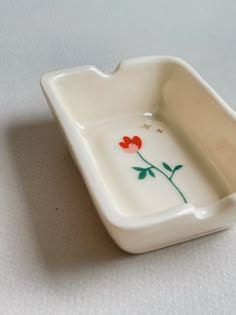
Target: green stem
164,174
172,175
180,192
153,166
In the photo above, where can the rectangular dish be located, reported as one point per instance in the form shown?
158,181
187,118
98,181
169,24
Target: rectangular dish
156,147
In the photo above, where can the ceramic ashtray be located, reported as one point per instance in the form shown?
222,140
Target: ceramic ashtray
156,147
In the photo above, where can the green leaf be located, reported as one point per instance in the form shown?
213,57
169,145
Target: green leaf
142,174
178,167
151,173
167,167
138,168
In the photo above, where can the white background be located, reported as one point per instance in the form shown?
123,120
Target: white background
55,255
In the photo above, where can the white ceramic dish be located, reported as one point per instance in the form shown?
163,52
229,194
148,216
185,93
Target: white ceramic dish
156,147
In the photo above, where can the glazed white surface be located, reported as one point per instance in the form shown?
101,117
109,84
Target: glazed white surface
82,99
135,197
55,256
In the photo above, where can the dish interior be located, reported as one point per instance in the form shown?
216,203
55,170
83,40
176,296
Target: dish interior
172,152
139,191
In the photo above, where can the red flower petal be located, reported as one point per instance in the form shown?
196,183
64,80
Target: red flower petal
136,140
124,145
127,140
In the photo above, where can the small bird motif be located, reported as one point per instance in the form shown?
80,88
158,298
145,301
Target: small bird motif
159,130
146,126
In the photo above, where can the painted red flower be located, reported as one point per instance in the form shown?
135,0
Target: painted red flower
131,145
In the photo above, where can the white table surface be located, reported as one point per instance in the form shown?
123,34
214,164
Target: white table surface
55,255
